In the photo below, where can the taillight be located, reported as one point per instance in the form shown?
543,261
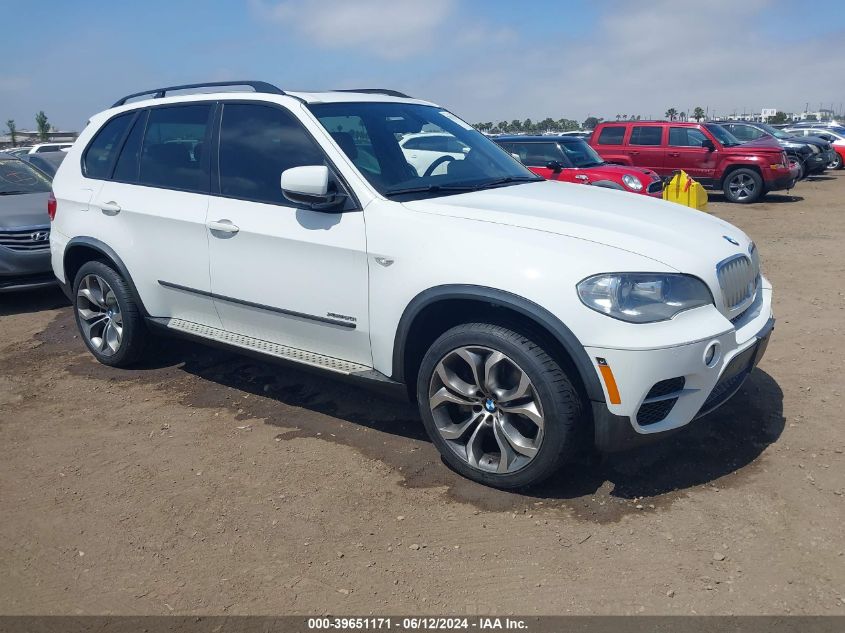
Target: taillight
51,206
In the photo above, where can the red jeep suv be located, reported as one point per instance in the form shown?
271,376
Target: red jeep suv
707,152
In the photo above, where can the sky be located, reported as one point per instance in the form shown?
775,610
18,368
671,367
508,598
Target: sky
484,60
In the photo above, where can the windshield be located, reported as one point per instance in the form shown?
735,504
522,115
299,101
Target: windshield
773,131
413,150
581,154
17,177
723,136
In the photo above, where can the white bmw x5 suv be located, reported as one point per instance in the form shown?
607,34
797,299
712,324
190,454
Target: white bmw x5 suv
518,313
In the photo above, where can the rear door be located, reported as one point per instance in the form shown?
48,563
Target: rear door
685,150
153,209
645,147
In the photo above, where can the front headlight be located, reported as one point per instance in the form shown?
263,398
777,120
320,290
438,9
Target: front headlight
643,297
632,182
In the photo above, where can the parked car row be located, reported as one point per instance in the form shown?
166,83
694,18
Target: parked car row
410,252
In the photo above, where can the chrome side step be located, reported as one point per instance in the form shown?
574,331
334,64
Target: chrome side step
264,347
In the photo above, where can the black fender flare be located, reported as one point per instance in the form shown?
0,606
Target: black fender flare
108,252
542,317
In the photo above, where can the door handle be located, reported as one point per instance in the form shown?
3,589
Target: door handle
674,154
109,208
633,153
223,226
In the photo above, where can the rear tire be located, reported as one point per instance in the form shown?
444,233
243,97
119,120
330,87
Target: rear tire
107,315
802,173
743,186
510,415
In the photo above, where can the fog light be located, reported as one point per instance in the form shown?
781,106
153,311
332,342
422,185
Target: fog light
711,354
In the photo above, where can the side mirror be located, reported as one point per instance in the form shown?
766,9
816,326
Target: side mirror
554,166
309,186
708,145
516,156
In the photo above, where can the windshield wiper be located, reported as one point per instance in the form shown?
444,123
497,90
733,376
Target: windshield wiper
507,181
11,193
428,189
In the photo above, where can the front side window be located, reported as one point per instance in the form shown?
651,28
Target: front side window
258,143
646,135
612,135
537,154
17,177
722,135
102,150
686,137
580,154
173,149
371,135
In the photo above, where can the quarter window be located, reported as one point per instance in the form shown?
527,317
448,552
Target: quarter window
258,143
612,135
646,135
101,152
173,149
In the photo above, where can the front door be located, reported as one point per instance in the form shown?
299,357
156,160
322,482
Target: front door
282,273
536,155
686,151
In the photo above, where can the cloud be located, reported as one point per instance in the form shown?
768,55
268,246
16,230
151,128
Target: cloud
642,62
391,29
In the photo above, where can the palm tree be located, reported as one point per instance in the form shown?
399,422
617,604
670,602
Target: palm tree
698,113
683,116
671,113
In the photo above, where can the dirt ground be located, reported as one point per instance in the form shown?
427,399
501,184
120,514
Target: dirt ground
211,483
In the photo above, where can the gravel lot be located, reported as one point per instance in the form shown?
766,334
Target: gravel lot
210,483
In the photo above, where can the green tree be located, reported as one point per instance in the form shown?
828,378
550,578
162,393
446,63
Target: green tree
811,117
527,126
590,123
683,116
671,114
42,125
515,126
698,113
503,127
13,130
780,117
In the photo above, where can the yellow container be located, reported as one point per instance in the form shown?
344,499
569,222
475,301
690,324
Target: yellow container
686,191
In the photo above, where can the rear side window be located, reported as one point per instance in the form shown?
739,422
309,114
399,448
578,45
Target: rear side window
686,137
612,135
102,150
128,163
258,143
173,149
646,135
537,154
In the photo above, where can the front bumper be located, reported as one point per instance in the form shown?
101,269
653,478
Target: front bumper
783,180
663,390
22,270
817,163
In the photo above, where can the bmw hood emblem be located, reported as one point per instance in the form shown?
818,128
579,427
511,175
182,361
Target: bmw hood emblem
731,240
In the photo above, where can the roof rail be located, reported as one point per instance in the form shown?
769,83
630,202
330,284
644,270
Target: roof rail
159,93
377,91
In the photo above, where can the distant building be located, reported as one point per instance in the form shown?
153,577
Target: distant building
31,137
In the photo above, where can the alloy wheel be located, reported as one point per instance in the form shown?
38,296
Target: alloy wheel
100,319
742,186
486,409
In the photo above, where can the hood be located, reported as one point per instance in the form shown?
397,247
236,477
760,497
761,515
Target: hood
24,210
676,236
815,140
764,143
617,171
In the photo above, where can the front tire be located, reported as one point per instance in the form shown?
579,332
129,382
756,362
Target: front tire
108,316
743,186
836,163
499,409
